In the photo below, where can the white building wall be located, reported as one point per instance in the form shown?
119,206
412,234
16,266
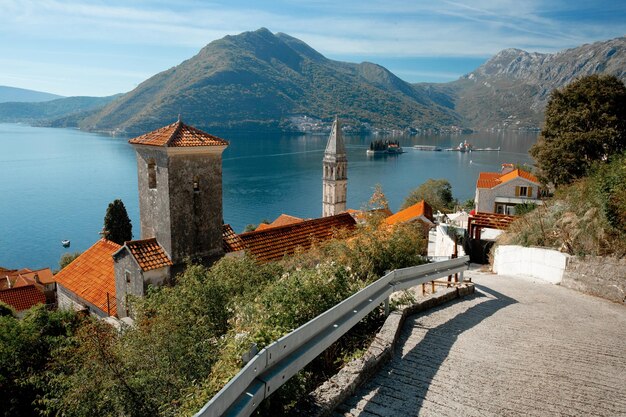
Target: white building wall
444,244
486,197
544,264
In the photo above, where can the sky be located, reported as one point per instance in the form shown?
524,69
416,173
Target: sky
104,47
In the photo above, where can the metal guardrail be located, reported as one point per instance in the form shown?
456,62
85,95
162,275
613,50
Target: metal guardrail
269,369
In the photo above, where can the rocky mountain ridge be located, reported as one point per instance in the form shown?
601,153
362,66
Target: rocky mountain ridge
264,80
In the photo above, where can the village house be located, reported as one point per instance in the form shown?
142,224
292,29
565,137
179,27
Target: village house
420,212
500,192
24,288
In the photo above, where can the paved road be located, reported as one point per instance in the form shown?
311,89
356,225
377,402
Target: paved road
515,348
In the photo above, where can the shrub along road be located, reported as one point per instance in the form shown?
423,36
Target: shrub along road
516,347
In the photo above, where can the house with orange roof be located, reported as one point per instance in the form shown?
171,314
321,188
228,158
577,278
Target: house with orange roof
500,192
22,298
88,282
419,212
139,264
282,220
274,243
42,279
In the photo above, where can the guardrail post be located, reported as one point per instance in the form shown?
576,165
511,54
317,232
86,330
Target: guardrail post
432,284
386,306
423,289
461,277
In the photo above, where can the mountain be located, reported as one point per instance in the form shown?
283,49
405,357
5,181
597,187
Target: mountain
59,113
512,89
264,80
22,95
261,79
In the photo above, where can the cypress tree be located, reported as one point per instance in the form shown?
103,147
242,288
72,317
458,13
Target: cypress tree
117,225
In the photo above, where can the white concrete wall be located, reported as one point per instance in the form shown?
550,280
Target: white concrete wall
544,264
444,245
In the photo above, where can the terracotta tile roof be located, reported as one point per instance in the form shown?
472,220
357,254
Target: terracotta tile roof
178,134
492,179
488,179
148,254
263,226
274,243
282,220
231,241
421,209
91,276
25,276
44,275
22,298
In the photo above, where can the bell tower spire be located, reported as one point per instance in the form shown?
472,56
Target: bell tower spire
335,171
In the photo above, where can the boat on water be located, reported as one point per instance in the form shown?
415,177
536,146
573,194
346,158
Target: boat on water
427,148
65,243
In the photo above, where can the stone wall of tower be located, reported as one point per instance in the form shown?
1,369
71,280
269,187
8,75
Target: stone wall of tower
196,215
187,222
154,206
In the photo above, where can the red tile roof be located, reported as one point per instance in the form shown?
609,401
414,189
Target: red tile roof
178,134
25,276
282,220
22,298
274,243
91,276
231,241
421,209
148,254
492,179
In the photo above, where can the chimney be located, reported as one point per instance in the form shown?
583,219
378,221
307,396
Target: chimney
506,168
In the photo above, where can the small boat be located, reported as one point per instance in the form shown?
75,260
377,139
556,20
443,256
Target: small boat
65,243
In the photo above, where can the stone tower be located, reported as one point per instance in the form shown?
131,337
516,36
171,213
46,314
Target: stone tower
335,180
180,190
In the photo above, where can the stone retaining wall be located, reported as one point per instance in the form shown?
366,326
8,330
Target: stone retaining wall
333,392
600,276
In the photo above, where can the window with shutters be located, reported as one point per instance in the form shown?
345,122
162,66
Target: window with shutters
523,191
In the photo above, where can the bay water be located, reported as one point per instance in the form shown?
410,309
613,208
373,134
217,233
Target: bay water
56,184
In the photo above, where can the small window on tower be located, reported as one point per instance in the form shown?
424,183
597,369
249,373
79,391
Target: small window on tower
151,174
127,276
196,184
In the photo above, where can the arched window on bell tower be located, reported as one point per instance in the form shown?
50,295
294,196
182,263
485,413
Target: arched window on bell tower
152,181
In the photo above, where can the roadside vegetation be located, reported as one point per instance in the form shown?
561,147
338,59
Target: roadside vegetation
581,156
188,340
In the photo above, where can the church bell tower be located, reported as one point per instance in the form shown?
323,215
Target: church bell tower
179,172
335,171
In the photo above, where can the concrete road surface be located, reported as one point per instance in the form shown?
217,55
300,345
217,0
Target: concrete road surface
516,348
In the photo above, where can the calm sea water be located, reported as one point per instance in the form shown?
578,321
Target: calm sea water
56,183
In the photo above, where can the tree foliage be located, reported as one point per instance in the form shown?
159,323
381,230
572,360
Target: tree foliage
584,122
26,348
67,258
117,225
437,193
583,218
